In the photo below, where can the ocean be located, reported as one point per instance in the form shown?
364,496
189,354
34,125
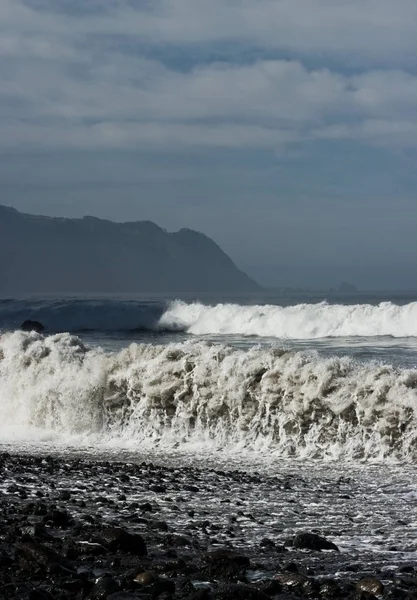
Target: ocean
321,391
265,375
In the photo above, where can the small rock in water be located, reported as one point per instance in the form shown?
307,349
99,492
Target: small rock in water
29,325
312,541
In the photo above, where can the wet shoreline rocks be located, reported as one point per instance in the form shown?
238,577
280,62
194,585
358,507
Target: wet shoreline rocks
75,528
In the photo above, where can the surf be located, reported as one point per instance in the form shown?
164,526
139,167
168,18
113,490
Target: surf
199,395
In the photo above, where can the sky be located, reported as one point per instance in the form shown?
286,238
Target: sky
284,129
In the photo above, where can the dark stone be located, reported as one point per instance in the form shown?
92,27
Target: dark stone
267,543
145,578
123,596
29,325
163,586
103,587
271,588
190,488
33,552
224,564
160,525
292,579
39,594
370,585
158,489
115,538
408,582
239,592
330,588
201,594
59,518
406,569
312,541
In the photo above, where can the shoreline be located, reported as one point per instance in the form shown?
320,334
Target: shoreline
80,528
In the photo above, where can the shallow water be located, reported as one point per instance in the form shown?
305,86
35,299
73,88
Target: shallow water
368,511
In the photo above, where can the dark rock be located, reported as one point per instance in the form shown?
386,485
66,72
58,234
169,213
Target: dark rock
291,579
64,495
330,588
271,588
201,594
103,587
406,569
397,594
59,518
312,541
190,488
29,325
145,578
267,543
39,554
370,585
239,592
224,564
158,489
116,538
291,567
124,596
163,586
160,525
39,594
408,582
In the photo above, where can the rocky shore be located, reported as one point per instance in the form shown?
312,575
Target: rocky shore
74,528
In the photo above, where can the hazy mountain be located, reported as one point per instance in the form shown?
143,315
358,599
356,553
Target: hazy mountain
55,255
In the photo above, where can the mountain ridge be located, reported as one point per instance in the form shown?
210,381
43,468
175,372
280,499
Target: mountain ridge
89,254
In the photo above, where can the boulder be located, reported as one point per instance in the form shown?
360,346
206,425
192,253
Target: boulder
115,538
29,325
370,585
312,541
224,564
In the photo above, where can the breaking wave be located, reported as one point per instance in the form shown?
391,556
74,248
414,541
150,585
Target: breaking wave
301,321
198,395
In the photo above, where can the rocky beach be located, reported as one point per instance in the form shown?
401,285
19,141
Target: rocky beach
75,527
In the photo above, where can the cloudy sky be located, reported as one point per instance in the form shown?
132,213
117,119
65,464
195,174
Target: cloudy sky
284,129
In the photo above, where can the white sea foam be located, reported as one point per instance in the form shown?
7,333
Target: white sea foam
196,395
302,321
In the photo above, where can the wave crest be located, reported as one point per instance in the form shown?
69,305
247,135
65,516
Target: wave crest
301,321
198,395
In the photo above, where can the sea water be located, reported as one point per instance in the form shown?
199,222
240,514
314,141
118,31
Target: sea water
321,390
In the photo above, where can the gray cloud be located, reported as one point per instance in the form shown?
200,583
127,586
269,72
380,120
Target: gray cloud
218,112
64,85
370,30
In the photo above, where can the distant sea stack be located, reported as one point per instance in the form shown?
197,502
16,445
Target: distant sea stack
91,255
